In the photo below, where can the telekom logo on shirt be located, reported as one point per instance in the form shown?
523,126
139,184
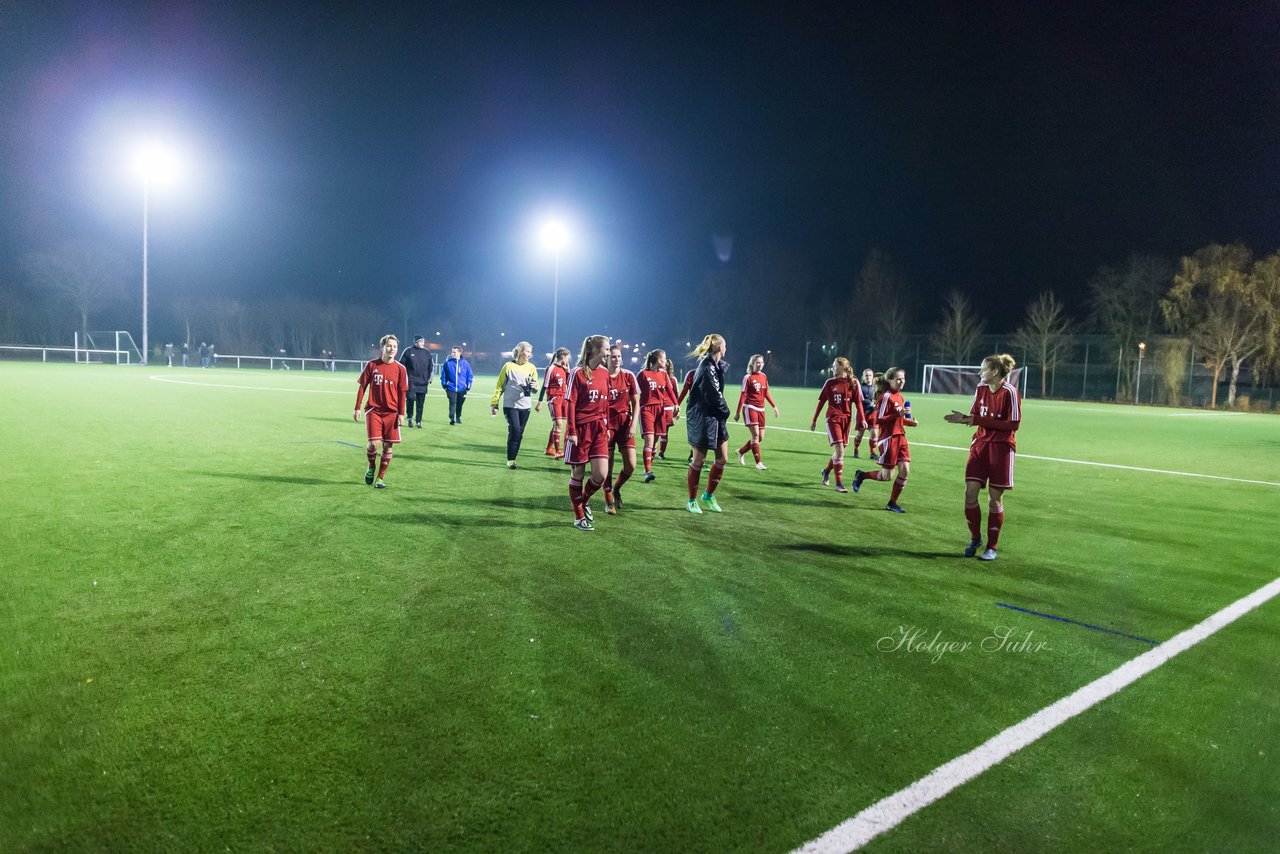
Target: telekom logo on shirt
593,395
755,385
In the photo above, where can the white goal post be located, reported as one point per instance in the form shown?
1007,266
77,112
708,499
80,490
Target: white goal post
963,379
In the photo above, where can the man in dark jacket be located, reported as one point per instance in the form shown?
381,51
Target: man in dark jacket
420,365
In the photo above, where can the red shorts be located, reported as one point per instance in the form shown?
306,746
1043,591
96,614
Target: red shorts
993,462
592,444
652,419
892,450
559,408
668,418
620,435
382,426
753,417
838,431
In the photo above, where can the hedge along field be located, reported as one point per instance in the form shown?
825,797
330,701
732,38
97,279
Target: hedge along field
215,635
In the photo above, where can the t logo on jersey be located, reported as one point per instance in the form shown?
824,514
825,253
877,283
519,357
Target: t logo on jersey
593,395
755,385
839,398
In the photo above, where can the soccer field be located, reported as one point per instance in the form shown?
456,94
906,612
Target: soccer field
215,636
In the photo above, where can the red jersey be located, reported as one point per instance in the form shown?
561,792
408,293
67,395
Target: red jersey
655,388
889,414
588,398
841,395
996,414
388,384
684,390
554,381
755,391
622,391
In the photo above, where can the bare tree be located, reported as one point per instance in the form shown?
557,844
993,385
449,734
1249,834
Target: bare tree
1126,305
879,305
79,275
1228,306
956,336
1045,335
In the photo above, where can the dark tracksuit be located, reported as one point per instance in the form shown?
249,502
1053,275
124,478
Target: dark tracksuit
420,365
707,413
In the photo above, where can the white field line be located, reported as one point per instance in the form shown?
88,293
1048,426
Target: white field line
889,812
248,387
1022,456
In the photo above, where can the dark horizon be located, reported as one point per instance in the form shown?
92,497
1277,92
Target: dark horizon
362,157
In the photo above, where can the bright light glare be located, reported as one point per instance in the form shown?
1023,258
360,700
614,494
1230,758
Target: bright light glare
554,234
157,162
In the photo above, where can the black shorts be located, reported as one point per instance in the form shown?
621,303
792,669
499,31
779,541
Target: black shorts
707,433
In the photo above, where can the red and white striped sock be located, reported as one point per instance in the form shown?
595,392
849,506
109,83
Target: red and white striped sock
755,450
575,496
713,478
373,458
995,521
648,458
386,460
839,467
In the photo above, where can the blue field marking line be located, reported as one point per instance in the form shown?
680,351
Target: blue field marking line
1078,623
348,444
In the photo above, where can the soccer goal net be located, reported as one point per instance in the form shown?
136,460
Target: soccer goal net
962,379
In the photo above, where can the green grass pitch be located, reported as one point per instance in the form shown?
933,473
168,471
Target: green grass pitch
214,636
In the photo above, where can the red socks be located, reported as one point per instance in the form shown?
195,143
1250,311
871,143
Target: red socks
695,475
897,490
386,460
839,467
648,458
373,458
713,479
974,516
575,497
995,520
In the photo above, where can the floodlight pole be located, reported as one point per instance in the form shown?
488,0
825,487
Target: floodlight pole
555,301
1137,386
146,194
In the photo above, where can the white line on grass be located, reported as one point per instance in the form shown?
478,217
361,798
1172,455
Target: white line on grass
889,812
1080,462
247,387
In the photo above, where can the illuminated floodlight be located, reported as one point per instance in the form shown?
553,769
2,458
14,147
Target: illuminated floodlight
554,234
157,162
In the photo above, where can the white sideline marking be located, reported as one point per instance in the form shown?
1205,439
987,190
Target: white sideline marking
889,812
246,387
1203,414
1023,456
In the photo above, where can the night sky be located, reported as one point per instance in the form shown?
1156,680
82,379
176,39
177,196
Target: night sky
366,152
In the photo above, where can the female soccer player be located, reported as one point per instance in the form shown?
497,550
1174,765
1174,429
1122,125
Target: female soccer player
624,405
892,450
517,381
388,385
554,384
587,442
841,396
868,390
996,412
655,395
707,420
670,412
755,392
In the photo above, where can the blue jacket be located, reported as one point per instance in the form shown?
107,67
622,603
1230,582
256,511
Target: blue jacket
455,375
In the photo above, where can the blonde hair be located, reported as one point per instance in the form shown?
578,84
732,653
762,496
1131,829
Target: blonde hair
589,346
523,345
1002,362
555,357
713,343
752,361
382,342
843,367
652,359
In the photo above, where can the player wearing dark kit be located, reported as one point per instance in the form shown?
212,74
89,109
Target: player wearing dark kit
840,396
892,451
420,365
707,420
587,442
868,390
624,404
388,385
997,413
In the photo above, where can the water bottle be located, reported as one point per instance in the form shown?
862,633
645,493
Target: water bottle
906,408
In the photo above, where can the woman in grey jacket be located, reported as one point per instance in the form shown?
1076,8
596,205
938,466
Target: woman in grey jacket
707,420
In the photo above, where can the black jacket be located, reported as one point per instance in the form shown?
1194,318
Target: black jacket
706,396
419,364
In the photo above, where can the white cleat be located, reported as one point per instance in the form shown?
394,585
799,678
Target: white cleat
742,459
989,554
762,467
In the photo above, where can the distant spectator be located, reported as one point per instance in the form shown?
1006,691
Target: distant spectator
186,354
168,355
456,377
420,365
204,354
213,355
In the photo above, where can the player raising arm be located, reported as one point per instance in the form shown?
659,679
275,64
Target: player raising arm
996,412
